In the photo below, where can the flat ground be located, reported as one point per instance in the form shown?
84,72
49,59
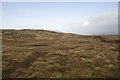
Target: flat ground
41,53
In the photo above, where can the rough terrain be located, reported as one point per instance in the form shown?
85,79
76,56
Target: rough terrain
49,54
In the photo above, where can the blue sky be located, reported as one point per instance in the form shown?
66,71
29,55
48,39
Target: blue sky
60,0
75,17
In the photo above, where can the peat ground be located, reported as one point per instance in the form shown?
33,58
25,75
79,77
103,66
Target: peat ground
49,54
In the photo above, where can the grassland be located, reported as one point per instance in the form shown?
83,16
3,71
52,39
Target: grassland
48,54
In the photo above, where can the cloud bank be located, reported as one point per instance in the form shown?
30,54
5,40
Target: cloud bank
105,23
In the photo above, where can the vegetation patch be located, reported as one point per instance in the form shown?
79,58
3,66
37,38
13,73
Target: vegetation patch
49,54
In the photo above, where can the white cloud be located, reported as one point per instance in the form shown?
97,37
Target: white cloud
86,23
105,23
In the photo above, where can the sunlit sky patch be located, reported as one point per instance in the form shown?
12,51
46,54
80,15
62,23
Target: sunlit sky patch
75,17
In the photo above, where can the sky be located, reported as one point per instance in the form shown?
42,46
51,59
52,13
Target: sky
70,17
60,0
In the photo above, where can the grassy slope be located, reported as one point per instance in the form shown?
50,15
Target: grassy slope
40,53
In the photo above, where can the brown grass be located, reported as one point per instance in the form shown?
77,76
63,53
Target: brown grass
46,54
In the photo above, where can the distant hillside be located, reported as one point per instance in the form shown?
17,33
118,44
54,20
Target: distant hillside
50,54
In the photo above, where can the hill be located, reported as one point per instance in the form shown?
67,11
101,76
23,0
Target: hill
49,54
